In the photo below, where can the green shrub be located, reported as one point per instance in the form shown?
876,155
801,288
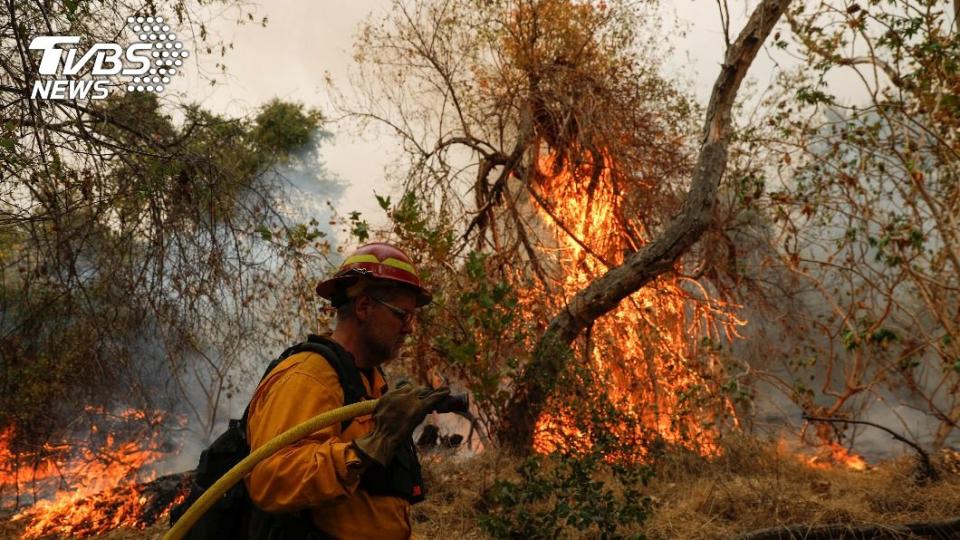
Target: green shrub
590,486
561,496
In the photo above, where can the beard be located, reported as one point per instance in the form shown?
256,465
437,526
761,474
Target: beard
379,349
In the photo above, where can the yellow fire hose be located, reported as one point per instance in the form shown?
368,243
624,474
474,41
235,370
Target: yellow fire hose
235,474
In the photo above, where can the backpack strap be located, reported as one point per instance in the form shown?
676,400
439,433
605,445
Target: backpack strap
342,362
402,477
339,359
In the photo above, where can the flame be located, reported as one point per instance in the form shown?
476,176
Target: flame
834,454
85,487
831,455
652,345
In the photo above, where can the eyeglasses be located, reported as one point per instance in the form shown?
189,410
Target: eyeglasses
405,316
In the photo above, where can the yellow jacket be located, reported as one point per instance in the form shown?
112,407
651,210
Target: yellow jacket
321,472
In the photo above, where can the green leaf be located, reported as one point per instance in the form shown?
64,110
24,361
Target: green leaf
883,336
850,339
360,229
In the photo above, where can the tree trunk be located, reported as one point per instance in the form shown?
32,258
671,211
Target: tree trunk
659,256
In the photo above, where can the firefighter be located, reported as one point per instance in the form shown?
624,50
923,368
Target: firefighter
352,481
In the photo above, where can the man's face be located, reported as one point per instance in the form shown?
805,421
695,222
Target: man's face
384,328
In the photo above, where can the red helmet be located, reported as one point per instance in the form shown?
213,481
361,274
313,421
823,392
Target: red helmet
378,261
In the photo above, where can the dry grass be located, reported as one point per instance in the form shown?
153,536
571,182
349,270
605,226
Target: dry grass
455,485
753,485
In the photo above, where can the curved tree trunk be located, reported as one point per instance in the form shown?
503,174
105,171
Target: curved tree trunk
659,256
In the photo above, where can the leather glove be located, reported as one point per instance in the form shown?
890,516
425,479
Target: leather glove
397,414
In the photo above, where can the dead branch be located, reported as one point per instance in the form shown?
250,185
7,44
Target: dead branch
934,529
525,241
927,470
660,255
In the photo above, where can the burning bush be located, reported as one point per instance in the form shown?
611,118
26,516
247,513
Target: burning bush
658,356
88,484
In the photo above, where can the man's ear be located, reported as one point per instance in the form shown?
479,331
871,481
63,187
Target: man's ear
361,307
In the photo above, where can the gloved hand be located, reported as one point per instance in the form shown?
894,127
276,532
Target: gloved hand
397,414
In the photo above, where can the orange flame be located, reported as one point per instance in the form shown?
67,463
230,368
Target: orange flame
85,487
648,346
835,454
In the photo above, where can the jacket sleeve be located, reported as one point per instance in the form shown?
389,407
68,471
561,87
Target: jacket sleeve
315,470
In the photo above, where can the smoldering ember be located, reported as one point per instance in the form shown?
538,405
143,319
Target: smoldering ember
457,269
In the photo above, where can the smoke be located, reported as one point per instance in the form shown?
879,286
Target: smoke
213,383
787,354
309,188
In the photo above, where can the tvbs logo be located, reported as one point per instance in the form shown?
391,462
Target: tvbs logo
146,65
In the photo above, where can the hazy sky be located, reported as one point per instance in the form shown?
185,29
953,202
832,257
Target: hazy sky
304,39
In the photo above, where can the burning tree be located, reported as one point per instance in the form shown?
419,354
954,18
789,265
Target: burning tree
574,196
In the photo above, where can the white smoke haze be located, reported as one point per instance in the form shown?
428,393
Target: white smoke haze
791,350
203,389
